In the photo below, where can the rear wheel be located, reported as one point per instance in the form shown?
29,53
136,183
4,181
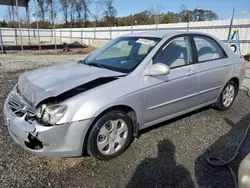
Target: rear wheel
227,96
110,136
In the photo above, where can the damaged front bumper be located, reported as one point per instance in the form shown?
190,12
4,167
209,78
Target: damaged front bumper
66,140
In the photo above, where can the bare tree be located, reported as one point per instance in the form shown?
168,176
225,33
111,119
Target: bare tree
82,10
156,14
96,13
86,11
183,7
79,9
71,12
65,10
42,9
110,12
8,15
184,14
51,9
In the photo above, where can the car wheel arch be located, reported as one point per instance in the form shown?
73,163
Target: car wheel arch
127,109
236,81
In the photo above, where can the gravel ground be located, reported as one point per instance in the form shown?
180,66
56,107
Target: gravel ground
171,154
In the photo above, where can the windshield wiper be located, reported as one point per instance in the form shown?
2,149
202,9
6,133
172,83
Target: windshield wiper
93,64
98,65
81,62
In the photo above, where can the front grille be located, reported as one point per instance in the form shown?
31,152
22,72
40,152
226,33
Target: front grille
18,106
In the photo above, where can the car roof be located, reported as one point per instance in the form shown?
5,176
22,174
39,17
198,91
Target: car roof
161,34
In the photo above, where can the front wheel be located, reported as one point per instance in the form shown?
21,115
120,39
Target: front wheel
110,136
227,96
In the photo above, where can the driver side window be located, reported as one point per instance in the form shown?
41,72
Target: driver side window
174,54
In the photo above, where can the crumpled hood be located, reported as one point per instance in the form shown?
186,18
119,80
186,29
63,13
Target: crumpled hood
48,82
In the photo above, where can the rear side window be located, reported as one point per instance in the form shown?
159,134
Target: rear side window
208,49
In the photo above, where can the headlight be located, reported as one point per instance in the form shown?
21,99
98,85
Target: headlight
51,114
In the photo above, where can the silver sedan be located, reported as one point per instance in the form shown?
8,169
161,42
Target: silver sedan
98,105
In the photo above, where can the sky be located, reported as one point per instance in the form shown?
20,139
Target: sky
223,8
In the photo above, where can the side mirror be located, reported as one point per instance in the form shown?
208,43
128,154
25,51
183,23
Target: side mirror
158,69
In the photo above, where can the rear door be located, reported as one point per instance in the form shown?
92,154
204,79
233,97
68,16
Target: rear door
170,94
213,67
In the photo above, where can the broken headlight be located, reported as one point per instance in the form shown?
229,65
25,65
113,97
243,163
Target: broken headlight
51,114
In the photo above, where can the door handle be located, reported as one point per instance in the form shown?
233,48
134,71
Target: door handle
190,73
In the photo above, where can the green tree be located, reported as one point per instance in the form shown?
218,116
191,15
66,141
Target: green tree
170,17
3,24
203,15
142,18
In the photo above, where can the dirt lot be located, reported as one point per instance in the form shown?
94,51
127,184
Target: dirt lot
171,154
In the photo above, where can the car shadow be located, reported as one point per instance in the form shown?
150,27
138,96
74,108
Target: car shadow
168,122
162,171
224,148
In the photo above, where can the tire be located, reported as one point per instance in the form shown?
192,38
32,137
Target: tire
221,104
114,130
247,57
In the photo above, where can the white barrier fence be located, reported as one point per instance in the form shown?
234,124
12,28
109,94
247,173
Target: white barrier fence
97,36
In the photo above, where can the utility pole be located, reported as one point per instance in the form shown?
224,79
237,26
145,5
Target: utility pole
19,24
110,30
28,20
13,20
53,20
37,27
131,23
1,40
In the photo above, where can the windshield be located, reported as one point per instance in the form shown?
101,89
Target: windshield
122,54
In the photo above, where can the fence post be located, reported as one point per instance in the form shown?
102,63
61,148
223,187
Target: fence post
188,22
60,35
1,40
70,34
29,35
55,36
81,34
131,23
38,34
110,33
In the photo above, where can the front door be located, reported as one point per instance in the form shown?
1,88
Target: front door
166,95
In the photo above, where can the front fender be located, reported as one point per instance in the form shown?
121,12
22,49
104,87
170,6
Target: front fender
93,108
